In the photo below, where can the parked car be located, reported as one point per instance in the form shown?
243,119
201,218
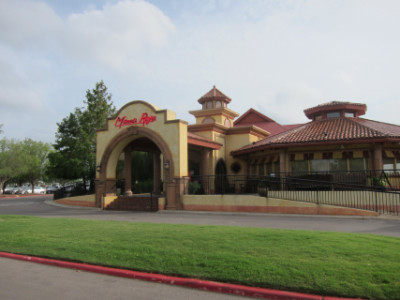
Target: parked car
52,188
39,190
10,189
27,189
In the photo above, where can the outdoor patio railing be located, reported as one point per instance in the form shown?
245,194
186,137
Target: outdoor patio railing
375,195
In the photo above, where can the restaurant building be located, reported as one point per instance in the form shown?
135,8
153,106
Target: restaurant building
335,140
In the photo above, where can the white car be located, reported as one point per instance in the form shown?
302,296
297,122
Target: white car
10,190
39,190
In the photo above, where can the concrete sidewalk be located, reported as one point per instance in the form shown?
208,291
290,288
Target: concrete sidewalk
225,288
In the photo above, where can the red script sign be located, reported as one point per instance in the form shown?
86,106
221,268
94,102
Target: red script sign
145,119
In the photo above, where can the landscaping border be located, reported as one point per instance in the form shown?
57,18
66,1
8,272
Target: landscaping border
227,288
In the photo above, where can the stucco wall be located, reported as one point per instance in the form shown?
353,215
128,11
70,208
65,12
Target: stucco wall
248,203
173,132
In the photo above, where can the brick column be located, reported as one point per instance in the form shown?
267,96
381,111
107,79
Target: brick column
156,173
205,170
128,171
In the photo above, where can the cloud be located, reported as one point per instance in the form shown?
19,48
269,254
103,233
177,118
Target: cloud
46,60
116,34
25,24
277,56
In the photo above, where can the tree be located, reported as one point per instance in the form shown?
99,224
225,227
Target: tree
99,107
75,147
22,161
10,161
34,156
66,161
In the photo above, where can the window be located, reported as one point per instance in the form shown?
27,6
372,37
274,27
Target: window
358,164
349,114
253,169
209,104
208,120
218,104
261,169
338,165
227,123
277,167
319,165
299,166
333,114
388,164
269,168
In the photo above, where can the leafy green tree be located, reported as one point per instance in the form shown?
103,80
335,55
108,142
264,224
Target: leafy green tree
10,161
22,161
99,107
75,147
66,161
34,157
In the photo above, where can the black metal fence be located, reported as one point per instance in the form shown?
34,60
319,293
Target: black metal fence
375,192
77,189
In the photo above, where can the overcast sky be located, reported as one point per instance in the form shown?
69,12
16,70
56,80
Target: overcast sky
278,57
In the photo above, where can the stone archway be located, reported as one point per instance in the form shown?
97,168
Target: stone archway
108,162
165,133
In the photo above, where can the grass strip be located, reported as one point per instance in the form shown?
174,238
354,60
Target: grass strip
325,263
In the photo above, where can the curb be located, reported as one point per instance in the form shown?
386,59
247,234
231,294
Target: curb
211,286
54,203
24,196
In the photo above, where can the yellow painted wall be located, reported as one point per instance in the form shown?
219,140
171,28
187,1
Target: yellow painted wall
173,132
234,142
249,203
107,200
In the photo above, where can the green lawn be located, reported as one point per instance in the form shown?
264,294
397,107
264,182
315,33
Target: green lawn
334,264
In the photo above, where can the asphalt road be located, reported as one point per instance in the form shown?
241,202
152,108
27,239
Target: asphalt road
45,207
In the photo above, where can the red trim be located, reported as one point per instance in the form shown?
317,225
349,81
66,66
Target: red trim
256,148
226,288
205,144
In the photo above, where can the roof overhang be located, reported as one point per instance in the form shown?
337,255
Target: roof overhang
213,112
256,148
202,142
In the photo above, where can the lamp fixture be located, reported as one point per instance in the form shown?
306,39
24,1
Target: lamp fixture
166,164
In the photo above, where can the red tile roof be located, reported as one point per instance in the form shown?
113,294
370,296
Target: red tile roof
254,117
335,130
358,108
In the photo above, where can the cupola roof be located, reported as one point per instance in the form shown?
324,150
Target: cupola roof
336,106
214,94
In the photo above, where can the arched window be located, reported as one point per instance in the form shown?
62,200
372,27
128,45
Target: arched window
227,123
208,120
221,182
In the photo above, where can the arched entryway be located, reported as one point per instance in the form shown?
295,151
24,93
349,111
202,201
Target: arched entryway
164,139
221,181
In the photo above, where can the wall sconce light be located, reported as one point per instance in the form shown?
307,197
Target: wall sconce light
98,168
166,164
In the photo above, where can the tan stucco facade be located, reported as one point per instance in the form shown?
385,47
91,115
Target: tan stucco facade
139,119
